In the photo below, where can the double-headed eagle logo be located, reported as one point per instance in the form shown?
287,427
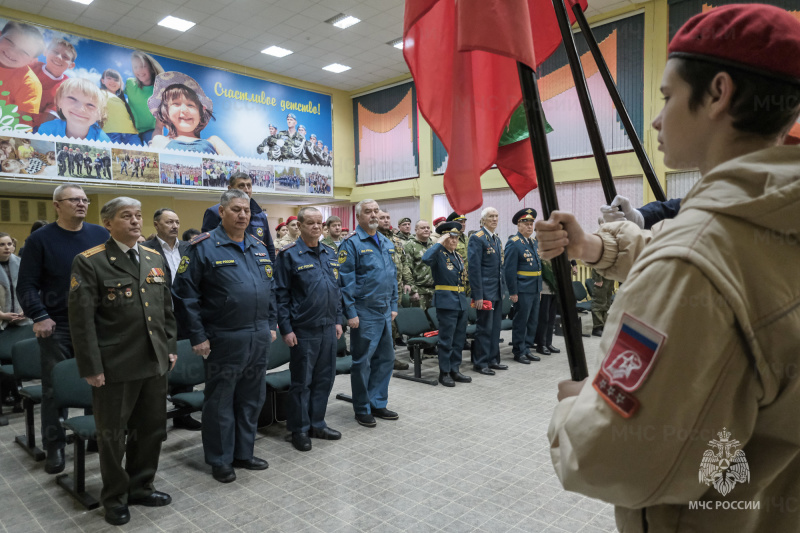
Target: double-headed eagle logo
726,466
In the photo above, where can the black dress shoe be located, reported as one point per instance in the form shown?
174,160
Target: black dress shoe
301,441
55,461
446,380
597,332
385,413
553,349
223,473
156,499
366,420
484,371
532,357
325,433
498,366
458,377
542,350
118,515
187,422
522,359
253,463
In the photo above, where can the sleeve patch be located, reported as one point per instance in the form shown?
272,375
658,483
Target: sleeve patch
632,354
622,402
342,256
184,264
74,283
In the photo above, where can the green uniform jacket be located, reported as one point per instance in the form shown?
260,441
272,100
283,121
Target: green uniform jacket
421,275
120,315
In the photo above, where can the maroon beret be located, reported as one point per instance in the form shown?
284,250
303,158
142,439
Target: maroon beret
756,37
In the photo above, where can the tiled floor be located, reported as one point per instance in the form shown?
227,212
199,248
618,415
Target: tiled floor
472,458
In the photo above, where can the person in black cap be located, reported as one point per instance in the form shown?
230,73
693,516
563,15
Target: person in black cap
451,304
523,272
461,247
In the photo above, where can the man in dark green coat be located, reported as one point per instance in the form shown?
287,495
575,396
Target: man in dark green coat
124,334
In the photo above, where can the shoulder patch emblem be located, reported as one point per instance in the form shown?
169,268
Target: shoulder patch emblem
149,249
342,256
74,283
183,265
260,232
96,250
268,270
201,237
479,234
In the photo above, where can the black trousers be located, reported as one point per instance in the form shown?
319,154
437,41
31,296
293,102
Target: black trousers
548,308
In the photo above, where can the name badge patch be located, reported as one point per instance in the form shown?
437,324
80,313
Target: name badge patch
304,267
225,262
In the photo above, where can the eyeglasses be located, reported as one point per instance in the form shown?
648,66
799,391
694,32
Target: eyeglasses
76,201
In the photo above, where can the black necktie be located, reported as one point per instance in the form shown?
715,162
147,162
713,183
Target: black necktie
133,256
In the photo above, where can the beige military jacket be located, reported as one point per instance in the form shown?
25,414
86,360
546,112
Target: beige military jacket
706,438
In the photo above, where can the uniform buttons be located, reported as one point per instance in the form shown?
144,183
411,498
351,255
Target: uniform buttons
147,304
142,289
149,319
150,332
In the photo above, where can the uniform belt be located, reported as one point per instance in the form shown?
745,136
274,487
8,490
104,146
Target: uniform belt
523,273
449,288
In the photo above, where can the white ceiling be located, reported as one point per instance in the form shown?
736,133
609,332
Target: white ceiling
237,31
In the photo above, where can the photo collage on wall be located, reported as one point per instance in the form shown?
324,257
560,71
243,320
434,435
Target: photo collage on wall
76,108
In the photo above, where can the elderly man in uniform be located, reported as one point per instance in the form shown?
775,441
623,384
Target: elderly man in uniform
523,275
485,277
721,343
404,229
369,291
461,248
258,226
224,293
449,273
124,335
310,321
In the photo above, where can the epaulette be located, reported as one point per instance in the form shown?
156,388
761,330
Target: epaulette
259,240
515,238
479,233
350,235
328,245
96,250
290,245
201,237
149,249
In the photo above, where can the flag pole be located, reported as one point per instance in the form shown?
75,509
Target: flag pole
600,157
644,161
547,192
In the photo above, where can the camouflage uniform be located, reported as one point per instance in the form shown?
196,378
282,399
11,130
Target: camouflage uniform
421,275
273,147
293,144
283,241
329,242
461,249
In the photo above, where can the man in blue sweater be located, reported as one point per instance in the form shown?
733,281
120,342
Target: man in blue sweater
258,226
43,289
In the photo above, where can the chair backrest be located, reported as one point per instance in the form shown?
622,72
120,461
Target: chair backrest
472,315
12,335
506,305
579,291
278,353
27,360
431,312
69,388
589,287
189,369
412,321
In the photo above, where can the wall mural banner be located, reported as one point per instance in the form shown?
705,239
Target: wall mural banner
622,45
81,109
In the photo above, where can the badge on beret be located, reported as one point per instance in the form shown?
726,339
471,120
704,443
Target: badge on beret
342,256
74,283
268,270
184,264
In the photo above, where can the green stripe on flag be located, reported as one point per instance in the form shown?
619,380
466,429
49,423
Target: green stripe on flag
517,129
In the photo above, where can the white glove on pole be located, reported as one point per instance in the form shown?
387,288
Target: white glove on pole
619,210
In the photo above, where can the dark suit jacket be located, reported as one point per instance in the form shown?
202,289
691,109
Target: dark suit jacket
120,314
156,245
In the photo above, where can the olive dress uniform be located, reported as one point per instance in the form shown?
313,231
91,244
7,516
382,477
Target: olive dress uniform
122,326
523,275
224,294
451,304
485,275
309,303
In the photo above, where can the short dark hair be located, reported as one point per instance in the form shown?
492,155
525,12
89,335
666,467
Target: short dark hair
331,220
760,105
38,224
189,234
301,215
236,176
160,212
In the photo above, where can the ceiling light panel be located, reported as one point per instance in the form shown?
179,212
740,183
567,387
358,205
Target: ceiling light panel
175,23
336,68
276,51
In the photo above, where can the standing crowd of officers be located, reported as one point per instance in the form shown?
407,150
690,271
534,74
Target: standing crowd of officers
118,306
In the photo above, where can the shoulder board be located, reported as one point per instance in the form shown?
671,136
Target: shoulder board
328,246
257,239
96,250
149,249
290,245
515,238
479,234
349,236
201,237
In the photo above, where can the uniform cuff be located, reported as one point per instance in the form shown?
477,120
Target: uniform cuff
610,251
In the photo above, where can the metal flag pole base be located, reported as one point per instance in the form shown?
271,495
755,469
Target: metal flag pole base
547,192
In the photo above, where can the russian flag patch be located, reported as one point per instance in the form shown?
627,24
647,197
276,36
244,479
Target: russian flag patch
632,354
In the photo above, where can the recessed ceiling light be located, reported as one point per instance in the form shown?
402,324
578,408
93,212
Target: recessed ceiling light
336,68
84,2
343,21
276,51
175,23
397,43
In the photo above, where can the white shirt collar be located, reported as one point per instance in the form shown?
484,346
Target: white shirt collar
166,246
125,248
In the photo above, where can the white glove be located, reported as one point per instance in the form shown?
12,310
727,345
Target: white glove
620,209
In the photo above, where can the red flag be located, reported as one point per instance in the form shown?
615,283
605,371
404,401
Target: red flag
462,55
